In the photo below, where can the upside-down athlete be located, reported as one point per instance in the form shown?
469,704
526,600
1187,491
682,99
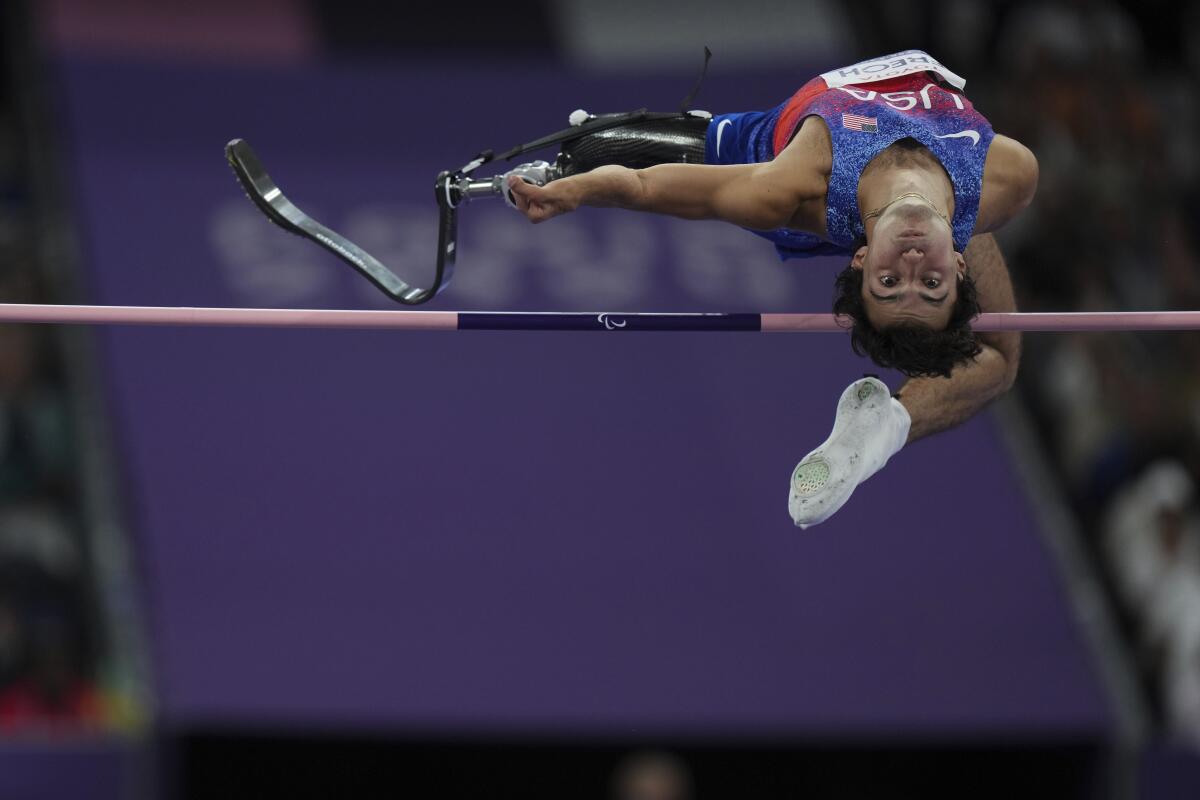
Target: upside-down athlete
885,161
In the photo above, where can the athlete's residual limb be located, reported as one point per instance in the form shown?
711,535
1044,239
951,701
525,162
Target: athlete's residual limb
636,139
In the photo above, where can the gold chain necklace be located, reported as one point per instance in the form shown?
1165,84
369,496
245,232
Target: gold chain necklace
883,207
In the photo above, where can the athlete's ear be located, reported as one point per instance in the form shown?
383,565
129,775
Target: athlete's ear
860,256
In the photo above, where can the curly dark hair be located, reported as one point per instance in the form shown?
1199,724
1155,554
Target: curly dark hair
914,349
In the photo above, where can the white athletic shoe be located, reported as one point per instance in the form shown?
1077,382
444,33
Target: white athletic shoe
871,426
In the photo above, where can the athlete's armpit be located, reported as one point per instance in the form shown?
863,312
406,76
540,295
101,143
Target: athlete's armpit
807,163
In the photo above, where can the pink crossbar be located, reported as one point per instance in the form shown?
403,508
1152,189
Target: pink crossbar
450,320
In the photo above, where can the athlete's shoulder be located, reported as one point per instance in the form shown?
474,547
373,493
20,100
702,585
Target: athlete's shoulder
1017,162
1010,178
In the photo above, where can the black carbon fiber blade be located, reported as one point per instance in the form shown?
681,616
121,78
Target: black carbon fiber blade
270,199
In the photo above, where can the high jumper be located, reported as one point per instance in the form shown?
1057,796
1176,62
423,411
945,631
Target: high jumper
885,162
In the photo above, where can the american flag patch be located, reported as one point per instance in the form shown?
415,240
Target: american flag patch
856,122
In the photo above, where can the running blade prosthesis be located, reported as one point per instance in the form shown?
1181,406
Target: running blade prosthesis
451,190
271,201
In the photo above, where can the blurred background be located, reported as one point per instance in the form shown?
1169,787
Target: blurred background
256,563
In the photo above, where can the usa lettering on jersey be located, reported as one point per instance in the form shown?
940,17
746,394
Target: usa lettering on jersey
893,66
905,101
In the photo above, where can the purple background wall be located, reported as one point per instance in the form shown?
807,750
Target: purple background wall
76,767
519,531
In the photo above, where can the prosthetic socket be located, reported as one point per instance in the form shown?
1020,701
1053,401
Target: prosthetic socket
637,145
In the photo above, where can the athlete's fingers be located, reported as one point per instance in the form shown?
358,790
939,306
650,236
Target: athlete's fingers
526,198
531,200
523,188
515,189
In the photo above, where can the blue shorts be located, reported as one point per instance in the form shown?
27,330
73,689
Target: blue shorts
747,137
739,138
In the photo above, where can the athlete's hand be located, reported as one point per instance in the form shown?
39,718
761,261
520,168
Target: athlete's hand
540,203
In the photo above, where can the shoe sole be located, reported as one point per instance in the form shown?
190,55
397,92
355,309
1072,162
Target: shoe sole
812,474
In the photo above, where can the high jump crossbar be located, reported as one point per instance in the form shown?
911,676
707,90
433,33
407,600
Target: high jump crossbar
561,321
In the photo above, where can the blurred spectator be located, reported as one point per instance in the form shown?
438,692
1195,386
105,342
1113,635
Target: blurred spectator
45,649
1160,497
53,692
1152,542
11,641
35,439
1105,93
1172,625
652,776
48,649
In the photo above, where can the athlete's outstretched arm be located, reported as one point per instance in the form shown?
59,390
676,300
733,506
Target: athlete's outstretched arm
936,404
759,196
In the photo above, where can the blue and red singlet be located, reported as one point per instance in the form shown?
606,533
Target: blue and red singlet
867,107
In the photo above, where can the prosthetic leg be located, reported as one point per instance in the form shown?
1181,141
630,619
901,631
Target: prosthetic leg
637,139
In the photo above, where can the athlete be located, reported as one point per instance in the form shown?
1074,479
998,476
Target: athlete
885,161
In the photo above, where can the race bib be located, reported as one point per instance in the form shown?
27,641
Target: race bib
884,67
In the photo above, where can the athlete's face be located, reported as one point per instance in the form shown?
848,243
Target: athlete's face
910,268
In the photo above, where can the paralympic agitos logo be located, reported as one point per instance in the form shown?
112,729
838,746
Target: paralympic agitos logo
609,323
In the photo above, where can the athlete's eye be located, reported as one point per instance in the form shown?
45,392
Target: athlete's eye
932,283
888,280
